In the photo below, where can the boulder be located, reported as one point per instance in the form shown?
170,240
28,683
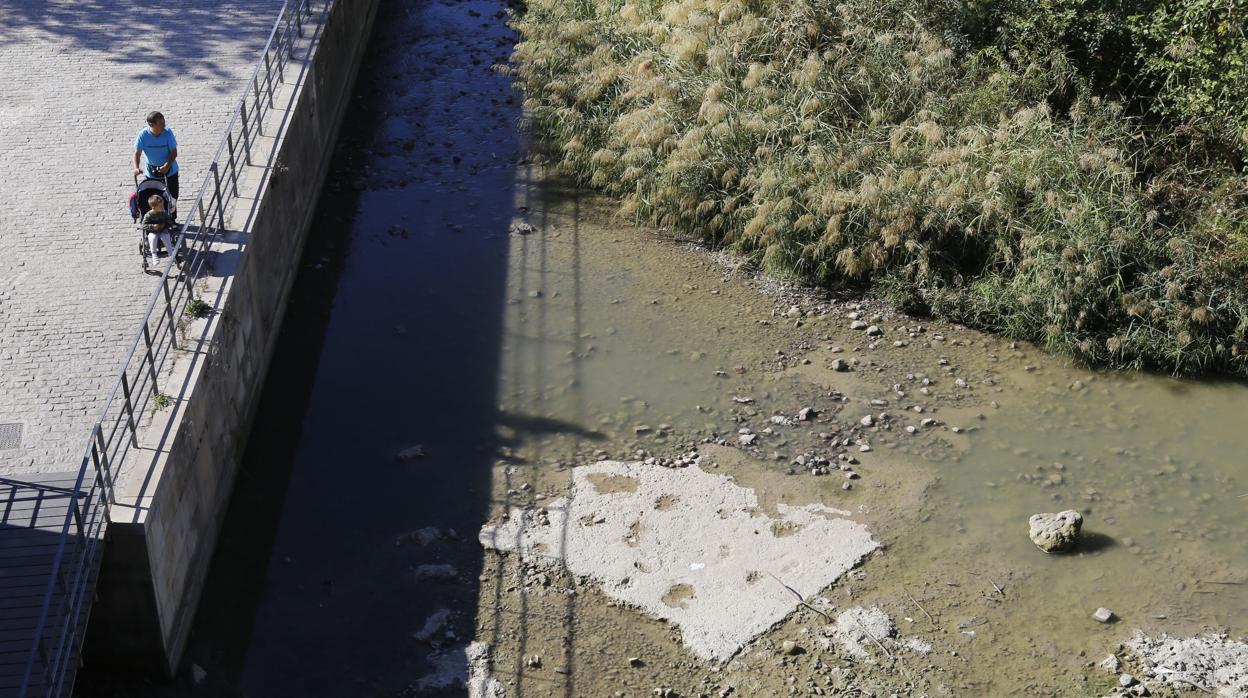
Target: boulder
1054,533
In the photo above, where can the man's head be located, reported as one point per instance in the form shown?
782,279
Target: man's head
157,203
156,122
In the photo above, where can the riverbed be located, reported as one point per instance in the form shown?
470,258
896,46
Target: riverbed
468,328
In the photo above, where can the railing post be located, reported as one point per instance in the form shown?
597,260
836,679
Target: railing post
99,455
299,17
256,110
173,335
229,144
268,77
242,106
216,178
125,390
151,360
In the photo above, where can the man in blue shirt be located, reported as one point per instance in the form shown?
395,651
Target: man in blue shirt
158,149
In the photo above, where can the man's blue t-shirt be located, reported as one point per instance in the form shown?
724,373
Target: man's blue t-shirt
156,149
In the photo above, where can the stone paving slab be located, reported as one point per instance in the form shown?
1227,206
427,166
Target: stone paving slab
76,79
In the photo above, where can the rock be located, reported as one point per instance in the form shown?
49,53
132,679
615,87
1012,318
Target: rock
857,325
747,439
790,648
927,422
794,311
534,662
806,414
198,674
425,536
874,331
635,662
1054,533
840,365
1110,664
433,625
440,572
854,315
867,421
410,453
1102,615
522,228
1126,680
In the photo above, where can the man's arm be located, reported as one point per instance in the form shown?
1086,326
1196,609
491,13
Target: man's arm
137,153
173,155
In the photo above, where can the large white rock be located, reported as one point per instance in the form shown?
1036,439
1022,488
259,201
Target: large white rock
689,547
1055,533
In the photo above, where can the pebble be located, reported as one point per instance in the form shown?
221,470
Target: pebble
1102,615
874,331
634,661
857,325
928,422
840,365
867,421
790,647
1110,663
1126,680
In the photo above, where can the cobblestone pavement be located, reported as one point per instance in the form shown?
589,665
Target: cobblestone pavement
76,79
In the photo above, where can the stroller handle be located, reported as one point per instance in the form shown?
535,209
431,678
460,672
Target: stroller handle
151,174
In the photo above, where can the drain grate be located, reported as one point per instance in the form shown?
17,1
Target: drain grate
10,436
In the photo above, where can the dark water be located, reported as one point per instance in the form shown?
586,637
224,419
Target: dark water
391,340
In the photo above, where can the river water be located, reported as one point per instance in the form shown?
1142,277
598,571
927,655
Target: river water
423,317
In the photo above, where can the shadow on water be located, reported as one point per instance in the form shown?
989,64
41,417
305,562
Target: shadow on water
391,340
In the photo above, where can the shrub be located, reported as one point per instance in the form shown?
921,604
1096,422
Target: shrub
844,142
1197,52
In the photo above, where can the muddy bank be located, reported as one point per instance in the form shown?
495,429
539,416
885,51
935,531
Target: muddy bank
955,438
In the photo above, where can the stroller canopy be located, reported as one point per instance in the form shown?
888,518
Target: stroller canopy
144,191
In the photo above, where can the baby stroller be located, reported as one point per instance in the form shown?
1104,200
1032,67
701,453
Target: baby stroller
143,190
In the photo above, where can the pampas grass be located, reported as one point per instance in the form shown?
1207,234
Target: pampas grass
848,142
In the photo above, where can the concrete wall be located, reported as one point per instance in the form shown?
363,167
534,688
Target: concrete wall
153,571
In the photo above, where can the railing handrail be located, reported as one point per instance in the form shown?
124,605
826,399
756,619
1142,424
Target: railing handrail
92,510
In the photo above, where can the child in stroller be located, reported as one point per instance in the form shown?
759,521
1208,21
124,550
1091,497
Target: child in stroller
153,209
157,223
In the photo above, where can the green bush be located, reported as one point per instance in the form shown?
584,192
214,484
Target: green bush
1197,53
845,142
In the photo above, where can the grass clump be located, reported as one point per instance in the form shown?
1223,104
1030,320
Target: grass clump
198,308
160,401
868,141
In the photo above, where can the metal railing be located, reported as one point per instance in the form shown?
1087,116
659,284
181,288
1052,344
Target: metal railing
55,649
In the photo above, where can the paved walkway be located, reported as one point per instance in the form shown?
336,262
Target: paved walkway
77,78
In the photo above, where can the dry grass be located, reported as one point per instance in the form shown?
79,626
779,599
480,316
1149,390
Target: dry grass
848,142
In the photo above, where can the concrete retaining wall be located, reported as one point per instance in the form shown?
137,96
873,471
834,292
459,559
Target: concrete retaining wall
153,571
